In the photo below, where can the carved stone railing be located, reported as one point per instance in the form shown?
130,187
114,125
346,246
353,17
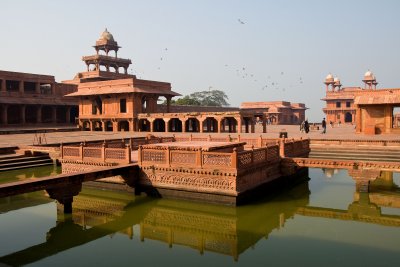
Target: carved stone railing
294,148
96,154
250,142
197,158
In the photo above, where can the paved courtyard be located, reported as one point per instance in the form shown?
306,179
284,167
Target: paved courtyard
338,132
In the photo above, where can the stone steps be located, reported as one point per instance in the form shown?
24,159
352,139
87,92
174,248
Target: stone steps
374,154
13,162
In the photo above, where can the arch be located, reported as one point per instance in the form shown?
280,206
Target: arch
97,126
108,126
192,125
123,126
175,125
86,126
14,114
30,114
144,125
210,125
158,125
348,117
228,124
47,114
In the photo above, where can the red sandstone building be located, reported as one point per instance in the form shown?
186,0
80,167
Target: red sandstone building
340,106
110,100
374,111
277,112
33,99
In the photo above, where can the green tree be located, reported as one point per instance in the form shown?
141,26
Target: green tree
214,98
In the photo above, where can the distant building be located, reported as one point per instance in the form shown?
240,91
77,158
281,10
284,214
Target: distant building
33,99
340,101
372,110
277,112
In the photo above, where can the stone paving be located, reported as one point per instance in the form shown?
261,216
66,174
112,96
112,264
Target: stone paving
337,132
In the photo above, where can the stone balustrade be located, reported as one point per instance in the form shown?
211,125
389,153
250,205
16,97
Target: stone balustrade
197,158
95,154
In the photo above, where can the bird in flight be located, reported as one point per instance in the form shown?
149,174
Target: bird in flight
240,21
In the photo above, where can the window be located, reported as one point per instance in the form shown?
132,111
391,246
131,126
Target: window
122,105
338,116
348,104
338,104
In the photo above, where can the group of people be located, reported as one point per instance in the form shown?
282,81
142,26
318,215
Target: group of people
305,126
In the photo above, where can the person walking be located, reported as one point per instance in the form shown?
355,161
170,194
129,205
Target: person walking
323,126
306,126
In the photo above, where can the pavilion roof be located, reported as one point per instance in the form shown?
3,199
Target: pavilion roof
124,86
378,99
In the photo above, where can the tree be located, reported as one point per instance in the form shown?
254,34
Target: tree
214,98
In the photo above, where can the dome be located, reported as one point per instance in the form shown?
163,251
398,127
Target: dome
106,35
337,80
369,75
329,76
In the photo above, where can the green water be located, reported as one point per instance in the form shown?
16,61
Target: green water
322,222
28,173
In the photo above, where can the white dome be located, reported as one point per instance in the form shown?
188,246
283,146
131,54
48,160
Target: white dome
336,79
329,76
369,74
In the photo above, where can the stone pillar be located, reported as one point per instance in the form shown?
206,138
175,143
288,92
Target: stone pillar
4,116
201,126
103,125
65,195
22,110
168,104
183,125
253,125
21,87
54,114
239,124
3,85
133,125
264,124
358,119
39,114
53,88
68,115
151,125
115,126
166,121
37,88
219,122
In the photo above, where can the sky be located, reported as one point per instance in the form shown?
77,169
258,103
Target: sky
252,50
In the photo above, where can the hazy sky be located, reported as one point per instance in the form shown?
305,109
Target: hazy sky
252,50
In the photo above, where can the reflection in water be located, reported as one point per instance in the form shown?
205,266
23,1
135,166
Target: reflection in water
27,173
206,228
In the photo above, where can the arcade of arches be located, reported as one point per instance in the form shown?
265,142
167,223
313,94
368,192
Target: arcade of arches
27,98
33,114
204,122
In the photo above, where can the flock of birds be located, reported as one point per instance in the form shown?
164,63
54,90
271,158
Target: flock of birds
243,73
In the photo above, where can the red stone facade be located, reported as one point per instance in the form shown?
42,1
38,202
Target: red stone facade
340,107
34,99
277,112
